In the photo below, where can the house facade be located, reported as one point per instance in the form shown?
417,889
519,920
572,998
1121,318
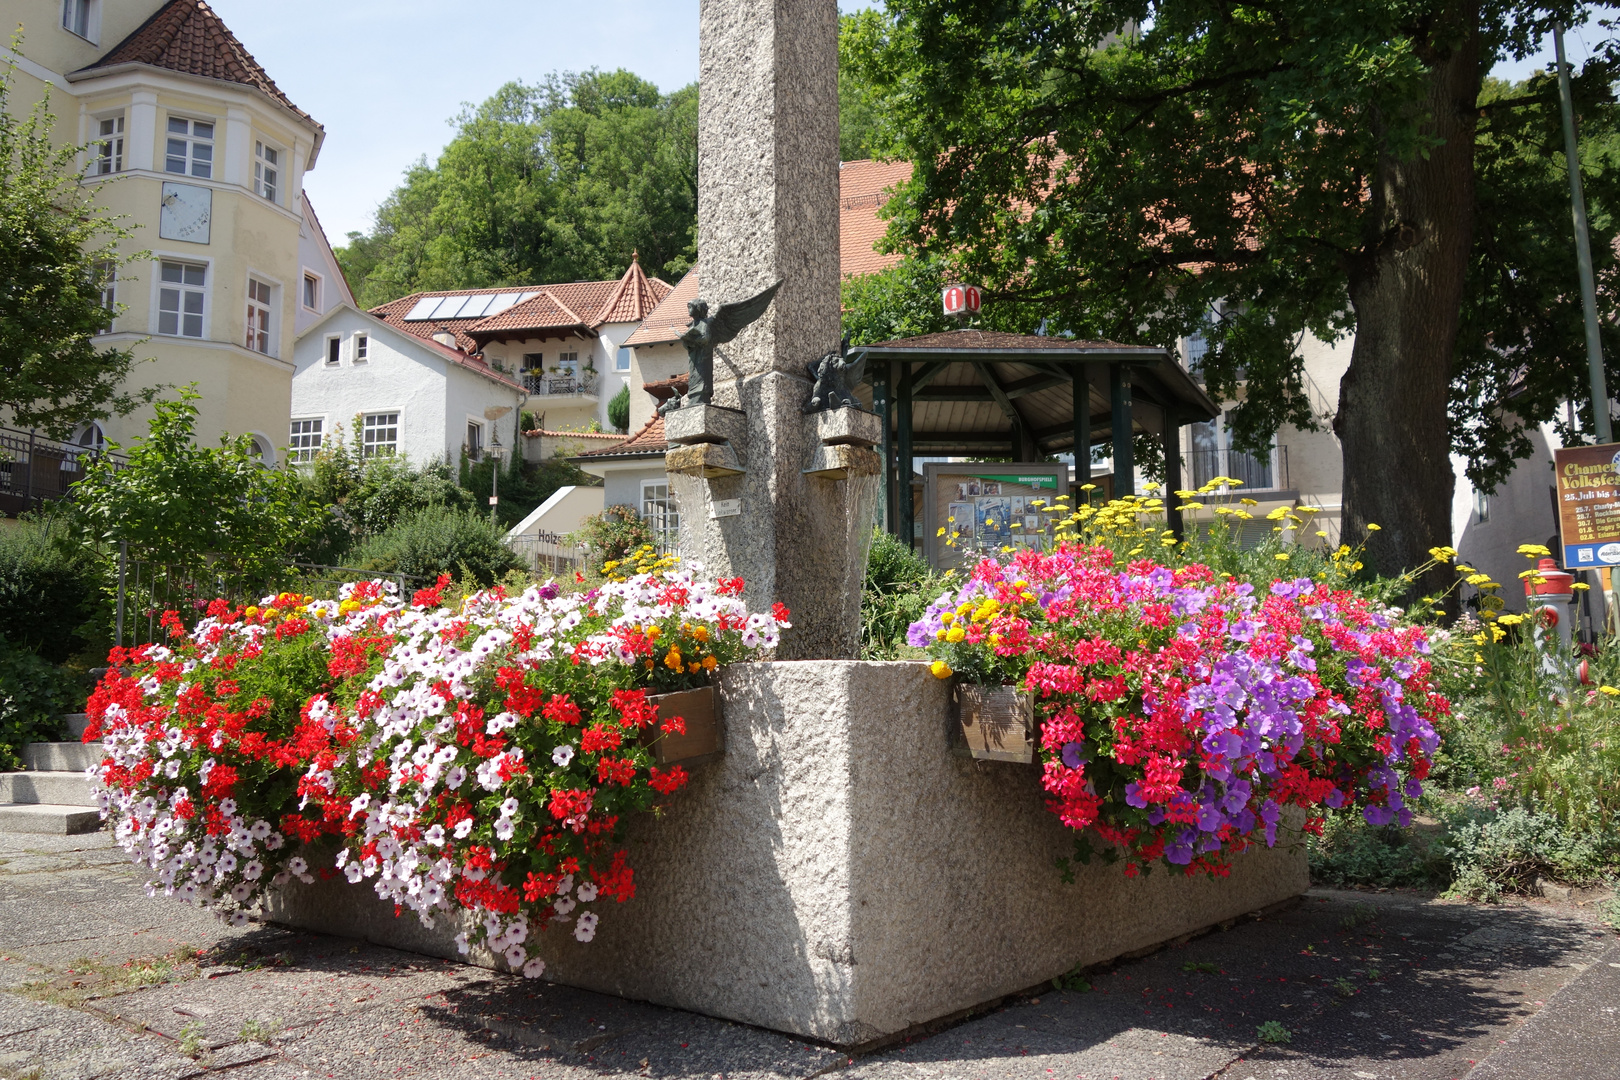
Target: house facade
190,140
385,391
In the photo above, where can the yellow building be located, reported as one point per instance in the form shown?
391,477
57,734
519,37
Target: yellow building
190,140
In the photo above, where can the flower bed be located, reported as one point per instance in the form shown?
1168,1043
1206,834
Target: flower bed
480,760
1180,713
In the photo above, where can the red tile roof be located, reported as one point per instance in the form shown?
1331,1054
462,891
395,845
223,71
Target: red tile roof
635,297
188,37
862,190
669,319
543,432
648,442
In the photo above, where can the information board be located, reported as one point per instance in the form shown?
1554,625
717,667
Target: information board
986,508
1589,505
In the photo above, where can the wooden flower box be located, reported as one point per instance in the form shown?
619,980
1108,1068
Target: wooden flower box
701,710
997,722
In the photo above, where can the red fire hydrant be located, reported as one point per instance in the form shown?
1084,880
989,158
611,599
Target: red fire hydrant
1550,604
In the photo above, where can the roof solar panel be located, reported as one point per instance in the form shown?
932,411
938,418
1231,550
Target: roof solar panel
448,309
502,302
476,305
424,308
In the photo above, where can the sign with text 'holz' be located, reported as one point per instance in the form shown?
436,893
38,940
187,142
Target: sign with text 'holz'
1589,505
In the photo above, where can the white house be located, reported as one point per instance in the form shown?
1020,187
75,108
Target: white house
410,395
321,284
560,343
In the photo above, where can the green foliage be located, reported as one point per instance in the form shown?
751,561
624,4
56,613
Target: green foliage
558,181
439,540
1350,852
1273,1032
57,247
524,485
898,588
33,694
1505,853
181,504
619,409
50,595
860,118
613,535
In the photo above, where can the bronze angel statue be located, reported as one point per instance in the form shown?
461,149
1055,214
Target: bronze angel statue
707,331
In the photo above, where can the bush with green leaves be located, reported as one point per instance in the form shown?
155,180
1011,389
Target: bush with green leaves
1351,852
613,535
1496,854
619,409
33,697
897,590
524,485
51,601
438,540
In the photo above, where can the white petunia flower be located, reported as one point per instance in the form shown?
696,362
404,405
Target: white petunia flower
227,863
455,777
252,870
504,828
586,929
434,836
227,807
562,755
563,905
464,827
534,968
462,945
516,955
298,865
586,892
354,872
509,807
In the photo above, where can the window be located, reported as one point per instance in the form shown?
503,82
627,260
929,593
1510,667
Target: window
621,362
568,361
108,149
1482,506
334,351
266,171
658,511
190,147
312,292
180,299
78,17
91,437
258,315
306,439
533,361
107,283
362,346
475,440
263,450
379,434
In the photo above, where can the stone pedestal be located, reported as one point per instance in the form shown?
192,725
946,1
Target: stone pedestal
841,874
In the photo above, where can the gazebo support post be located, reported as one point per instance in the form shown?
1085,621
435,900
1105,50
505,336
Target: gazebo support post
1119,397
882,380
1082,431
902,487
1172,475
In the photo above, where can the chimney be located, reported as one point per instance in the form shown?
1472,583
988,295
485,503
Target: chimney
445,338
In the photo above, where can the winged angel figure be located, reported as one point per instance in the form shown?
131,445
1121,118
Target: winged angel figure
704,334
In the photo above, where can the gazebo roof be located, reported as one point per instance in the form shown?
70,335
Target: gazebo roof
967,382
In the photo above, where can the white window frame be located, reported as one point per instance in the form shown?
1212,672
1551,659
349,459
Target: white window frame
1224,450
108,286
332,357
107,148
621,359
367,446
300,449
159,286
360,348
269,311
474,445
189,159
82,19
266,447
269,191
310,277
661,514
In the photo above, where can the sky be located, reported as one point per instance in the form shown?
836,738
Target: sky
387,76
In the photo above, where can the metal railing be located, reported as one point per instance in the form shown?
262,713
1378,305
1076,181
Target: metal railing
559,383
1257,473
548,553
35,469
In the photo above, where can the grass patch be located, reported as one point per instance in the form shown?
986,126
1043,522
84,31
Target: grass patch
87,979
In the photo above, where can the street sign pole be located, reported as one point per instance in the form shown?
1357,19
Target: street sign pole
1583,249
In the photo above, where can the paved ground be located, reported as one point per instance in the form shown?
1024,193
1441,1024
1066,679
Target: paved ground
106,983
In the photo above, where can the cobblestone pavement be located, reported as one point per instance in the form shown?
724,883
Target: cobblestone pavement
106,983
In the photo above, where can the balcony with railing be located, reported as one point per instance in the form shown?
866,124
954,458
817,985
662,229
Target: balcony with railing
1256,472
35,469
563,384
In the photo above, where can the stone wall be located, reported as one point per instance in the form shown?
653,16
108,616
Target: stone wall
841,874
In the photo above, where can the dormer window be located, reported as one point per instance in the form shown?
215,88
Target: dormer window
190,147
266,171
108,149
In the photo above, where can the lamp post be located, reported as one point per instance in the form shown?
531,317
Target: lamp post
1583,249
495,451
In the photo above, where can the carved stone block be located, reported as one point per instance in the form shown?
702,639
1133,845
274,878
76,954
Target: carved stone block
706,424
843,460
705,459
836,427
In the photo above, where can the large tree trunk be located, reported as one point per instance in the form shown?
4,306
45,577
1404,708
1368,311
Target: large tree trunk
1406,288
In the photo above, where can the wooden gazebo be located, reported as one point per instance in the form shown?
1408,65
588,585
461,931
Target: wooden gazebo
982,392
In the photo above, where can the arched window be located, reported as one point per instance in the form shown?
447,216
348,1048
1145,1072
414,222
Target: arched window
261,447
90,436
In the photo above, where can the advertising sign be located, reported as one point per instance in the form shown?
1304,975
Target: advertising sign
1589,505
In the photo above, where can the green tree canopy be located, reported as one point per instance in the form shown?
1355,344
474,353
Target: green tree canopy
1259,171
57,248
559,181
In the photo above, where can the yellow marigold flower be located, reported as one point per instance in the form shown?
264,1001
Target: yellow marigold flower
710,663
271,613
939,635
1609,690
701,634
653,632
672,659
940,669
1373,528
954,634
253,609
693,668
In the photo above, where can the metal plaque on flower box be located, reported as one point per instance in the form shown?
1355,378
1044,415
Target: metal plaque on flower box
700,709
998,722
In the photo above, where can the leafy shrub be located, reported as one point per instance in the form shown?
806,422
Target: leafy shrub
1506,852
50,591
1351,852
898,587
33,695
438,540
619,409
613,534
